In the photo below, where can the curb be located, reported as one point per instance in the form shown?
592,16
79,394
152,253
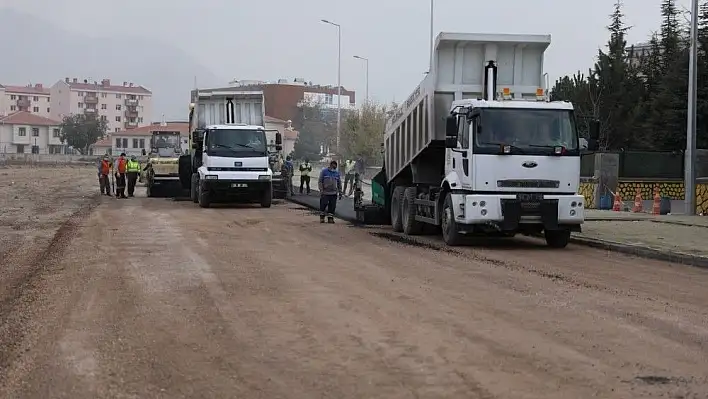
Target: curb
644,252
627,249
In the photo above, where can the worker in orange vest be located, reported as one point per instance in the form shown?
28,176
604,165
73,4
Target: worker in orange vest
104,172
120,167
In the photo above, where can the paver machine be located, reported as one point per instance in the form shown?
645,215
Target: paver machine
162,169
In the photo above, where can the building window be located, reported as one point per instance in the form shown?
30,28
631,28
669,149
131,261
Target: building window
35,98
104,118
103,106
117,141
35,132
13,97
55,133
125,143
104,95
117,118
20,149
141,97
47,99
81,94
81,105
35,109
142,143
135,143
117,107
118,96
12,108
48,110
22,132
140,119
116,129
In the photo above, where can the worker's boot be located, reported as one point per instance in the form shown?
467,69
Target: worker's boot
330,219
322,218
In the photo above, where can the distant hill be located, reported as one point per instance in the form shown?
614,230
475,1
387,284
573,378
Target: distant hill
34,50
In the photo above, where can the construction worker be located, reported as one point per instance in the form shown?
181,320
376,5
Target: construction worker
133,170
104,173
305,170
120,167
291,172
330,186
349,176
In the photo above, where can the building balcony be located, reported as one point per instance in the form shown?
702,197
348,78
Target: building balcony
91,111
130,125
131,102
131,113
23,103
91,99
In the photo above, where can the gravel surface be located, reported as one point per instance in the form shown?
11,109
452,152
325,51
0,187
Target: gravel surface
159,298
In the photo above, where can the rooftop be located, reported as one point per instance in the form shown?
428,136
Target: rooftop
181,127
105,85
27,118
37,89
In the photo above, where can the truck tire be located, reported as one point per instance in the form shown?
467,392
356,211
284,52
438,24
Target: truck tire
557,238
267,198
408,210
451,234
396,202
193,193
204,197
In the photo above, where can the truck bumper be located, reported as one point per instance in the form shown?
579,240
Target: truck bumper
509,210
236,188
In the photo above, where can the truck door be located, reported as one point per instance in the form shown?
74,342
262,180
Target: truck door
461,156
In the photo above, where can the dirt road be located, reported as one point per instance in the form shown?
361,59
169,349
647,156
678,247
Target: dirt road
145,298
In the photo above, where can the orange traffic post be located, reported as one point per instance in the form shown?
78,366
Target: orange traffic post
656,209
638,205
617,206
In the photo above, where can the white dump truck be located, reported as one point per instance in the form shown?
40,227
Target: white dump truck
229,156
478,148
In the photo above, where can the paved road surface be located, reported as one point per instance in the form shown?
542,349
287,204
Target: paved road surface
157,298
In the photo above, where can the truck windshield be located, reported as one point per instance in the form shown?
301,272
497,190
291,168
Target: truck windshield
529,130
225,142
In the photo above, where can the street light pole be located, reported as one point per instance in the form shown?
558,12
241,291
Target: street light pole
690,161
366,60
339,79
432,10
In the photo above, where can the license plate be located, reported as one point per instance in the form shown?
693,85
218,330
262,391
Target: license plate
239,185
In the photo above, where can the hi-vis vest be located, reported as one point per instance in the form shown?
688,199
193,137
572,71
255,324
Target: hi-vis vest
133,166
105,167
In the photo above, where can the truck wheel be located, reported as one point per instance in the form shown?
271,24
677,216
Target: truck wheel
408,210
451,234
193,188
557,238
204,198
267,198
396,199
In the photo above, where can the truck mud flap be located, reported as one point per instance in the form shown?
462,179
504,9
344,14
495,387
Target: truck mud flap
511,210
185,171
549,214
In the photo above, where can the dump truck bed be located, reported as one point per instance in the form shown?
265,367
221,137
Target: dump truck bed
458,73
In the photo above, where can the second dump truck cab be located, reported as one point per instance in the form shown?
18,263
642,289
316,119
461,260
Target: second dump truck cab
229,159
503,161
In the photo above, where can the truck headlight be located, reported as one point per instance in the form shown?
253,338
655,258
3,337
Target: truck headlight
211,177
264,177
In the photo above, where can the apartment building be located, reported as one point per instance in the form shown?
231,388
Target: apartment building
283,98
23,132
32,98
124,107
637,51
134,141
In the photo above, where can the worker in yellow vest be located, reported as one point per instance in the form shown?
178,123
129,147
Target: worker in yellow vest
133,171
305,170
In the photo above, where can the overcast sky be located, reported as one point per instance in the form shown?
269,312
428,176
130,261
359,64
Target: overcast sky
270,39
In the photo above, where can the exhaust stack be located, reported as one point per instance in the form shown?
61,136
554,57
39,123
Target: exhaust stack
490,81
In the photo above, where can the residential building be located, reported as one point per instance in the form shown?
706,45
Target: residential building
637,51
284,98
30,98
124,107
134,141
23,132
285,128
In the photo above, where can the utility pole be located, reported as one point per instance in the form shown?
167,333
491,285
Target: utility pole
690,160
339,80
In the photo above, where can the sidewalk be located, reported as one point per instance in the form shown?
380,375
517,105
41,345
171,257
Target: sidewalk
674,238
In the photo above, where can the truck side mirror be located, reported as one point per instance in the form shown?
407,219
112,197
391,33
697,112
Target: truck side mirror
278,139
451,126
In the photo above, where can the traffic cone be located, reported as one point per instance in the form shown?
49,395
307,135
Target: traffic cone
656,208
638,206
617,206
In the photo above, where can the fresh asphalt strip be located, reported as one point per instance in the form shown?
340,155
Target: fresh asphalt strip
345,211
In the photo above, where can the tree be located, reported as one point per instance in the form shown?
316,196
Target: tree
363,131
307,147
80,131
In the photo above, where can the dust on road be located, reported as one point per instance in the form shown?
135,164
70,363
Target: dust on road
157,298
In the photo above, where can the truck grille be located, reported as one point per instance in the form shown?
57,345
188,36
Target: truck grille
525,183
